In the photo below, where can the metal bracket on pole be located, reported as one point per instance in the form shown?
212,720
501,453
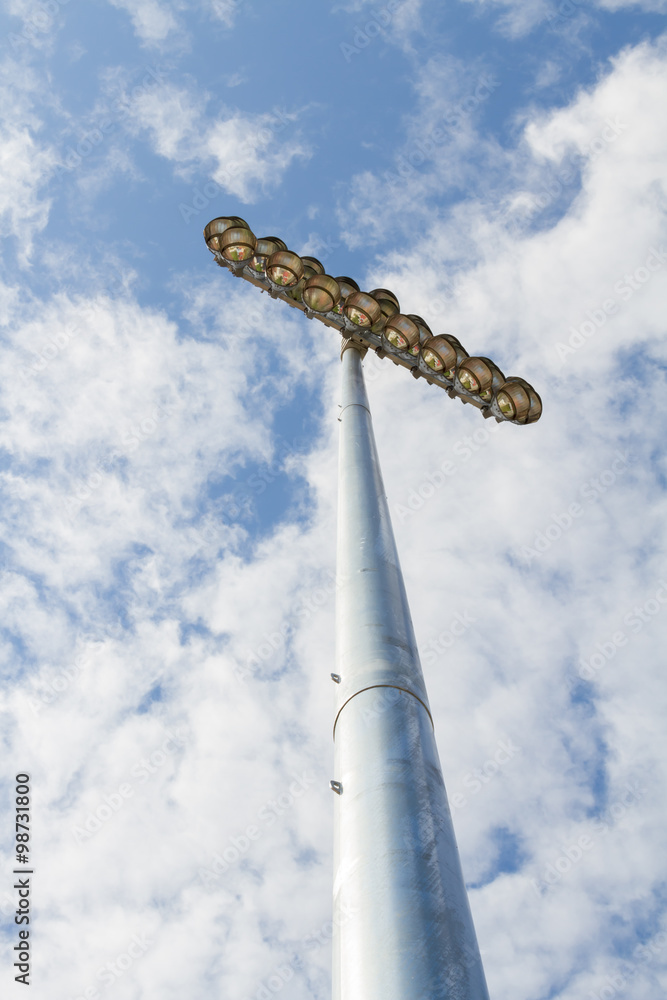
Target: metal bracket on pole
349,342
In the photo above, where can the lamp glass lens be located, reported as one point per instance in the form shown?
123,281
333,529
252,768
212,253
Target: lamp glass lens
318,299
468,381
236,251
258,263
281,276
357,316
397,339
432,360
505,404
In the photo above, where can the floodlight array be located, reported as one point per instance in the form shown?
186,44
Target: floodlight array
372,320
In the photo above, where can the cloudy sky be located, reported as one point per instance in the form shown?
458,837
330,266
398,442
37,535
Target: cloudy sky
168,477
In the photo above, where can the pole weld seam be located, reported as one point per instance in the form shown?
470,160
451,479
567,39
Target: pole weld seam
370,687
347,405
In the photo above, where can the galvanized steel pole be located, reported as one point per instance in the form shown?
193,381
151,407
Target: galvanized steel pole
402,923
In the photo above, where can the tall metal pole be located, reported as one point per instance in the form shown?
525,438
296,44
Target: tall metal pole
402,923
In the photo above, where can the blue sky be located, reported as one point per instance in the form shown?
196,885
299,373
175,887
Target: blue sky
168,476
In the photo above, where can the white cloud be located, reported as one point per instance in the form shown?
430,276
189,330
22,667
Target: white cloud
157,22
112,451
224,10
153,20
244,153
519,17
26,158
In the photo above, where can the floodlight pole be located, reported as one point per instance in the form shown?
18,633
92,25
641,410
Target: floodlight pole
402,923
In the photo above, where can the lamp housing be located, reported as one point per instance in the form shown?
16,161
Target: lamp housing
321,292
362,310
479,377
347,287
442,355
517,401
284,269
237,244
311,266
384,295
425,333
388,304
216,227
265,248
401,333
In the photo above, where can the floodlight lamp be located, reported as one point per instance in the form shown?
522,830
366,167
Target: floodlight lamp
388,304
265,248
284,268
402,333
480,377
321,293
516,400
535,411
311,266
362,310
216,227
424,333
384,296
442,354
237,244
347,287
